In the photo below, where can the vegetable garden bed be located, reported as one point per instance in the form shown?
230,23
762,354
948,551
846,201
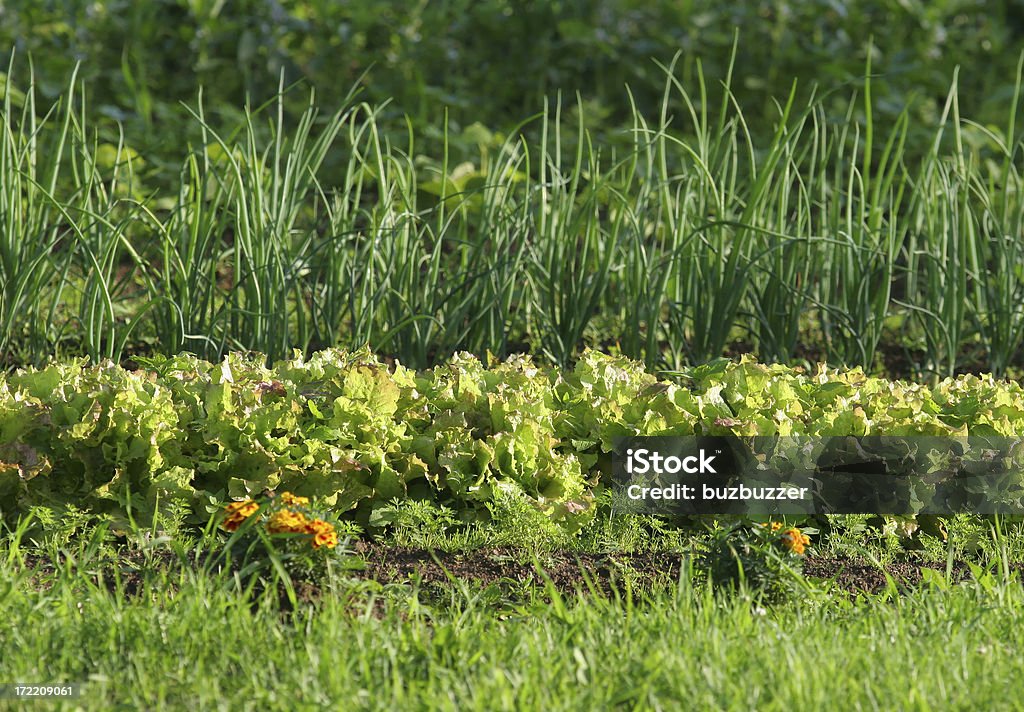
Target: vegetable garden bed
358,435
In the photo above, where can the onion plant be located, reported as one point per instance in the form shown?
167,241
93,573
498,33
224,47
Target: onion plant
674,244
35,251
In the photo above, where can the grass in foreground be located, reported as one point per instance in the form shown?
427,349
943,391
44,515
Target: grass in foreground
178,638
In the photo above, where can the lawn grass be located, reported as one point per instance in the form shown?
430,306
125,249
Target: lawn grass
161,634
190,640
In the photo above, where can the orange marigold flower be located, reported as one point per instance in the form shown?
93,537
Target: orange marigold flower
294,500
245,507
328,539
323,534
287,522
237,512
794,540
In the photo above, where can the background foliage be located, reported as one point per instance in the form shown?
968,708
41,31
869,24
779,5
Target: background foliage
495,61
805,181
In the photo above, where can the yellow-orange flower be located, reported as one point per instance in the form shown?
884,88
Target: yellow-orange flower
294,500
237,512
287,522
328,539
774,526
323,534
794,540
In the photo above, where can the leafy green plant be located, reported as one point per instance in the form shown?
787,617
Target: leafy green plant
286,535
135,446
764,558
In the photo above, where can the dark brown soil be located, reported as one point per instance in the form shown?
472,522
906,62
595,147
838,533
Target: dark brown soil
569,571
511,570
508,567
860,576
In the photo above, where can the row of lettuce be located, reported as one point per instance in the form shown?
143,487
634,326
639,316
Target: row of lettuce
356,433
